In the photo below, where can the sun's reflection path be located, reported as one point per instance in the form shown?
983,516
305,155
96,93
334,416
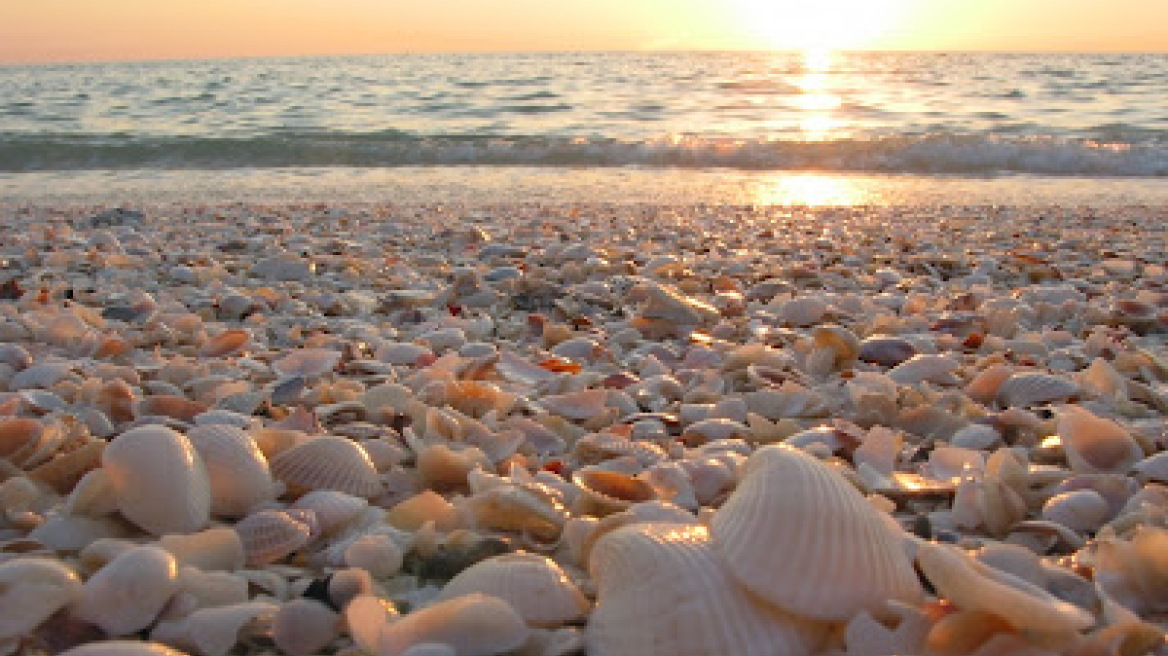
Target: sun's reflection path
817,102
810,190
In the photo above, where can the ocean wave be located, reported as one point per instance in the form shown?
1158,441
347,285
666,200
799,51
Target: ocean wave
928,154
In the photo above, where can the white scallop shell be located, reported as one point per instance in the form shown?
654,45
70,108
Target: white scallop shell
269,535
158,480
304,626
127,595
971,586
1080,510
662,591
535,586
474,625
801,536
328,463
377,554
333,509
31,590
216,548
236,469
1096,445
1026,390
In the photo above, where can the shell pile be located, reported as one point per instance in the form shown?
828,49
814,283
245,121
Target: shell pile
621,431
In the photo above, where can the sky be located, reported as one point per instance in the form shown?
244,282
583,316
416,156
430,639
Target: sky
85,30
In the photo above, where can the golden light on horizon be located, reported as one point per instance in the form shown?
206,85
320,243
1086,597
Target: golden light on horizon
818,26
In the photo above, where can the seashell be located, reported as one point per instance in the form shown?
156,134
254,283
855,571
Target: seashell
269,535
474,625
214,631
532,508
662,591
365,616
1026,390
925,368
42,376
328,463
426,506
31,590
377,554
210,589
63,472
127,595
535,586
20,438
1094,444
303,626
73,533
333,509
978,437
841,343
1014,560
708,430
168,405
985,385
15,356
274,441
665,304
577,406
218,548
402,353
443,469
226,343
236,469
885,350
1133,571
802,311
818,507
158,480
604,492
1080,510
975,587
122,648
307,362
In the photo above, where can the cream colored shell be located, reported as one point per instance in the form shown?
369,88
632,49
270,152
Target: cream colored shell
474,625
662,591
236,469
328,463
31,590
158,480
535,586
798,534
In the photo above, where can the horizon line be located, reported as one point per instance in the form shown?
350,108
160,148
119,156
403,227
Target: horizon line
449,53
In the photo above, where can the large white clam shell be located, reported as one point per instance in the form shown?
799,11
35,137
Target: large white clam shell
236,469
972,586
799,535
127,595
328,463
662,591
535,586
474,625
1094,444
31,590
158,480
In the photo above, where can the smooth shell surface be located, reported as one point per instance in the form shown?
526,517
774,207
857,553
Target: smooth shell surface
122,648
474,625
663,591
236,469
32,589
158,480
802,537
127,595
535,586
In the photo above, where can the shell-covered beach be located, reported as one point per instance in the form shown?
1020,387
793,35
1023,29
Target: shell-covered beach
615,430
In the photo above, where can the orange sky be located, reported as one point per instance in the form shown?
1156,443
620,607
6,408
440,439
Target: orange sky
79,30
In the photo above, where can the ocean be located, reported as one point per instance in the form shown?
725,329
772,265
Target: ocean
688,127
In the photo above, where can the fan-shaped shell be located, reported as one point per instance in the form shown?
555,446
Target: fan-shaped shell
1096,445
1025,390
307,362
269,535
474,625
31,590
535,586
236,469
328,463
798,534
158,480
662,591
126,595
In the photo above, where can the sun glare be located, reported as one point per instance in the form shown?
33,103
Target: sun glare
818,25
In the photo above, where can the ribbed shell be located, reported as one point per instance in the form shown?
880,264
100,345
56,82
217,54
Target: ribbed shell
662,591
236,469
333,509
798,534
328,463
269,535
1031,389
534,585
158,480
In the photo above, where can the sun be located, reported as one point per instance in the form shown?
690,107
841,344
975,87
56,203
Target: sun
818,25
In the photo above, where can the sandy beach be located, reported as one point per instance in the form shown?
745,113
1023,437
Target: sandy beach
553,429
